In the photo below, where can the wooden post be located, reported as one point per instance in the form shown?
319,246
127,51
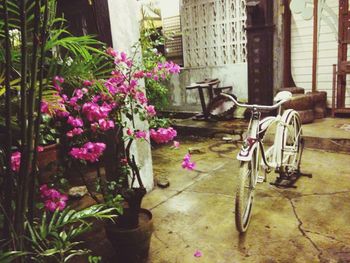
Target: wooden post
315,47
288,80
334,83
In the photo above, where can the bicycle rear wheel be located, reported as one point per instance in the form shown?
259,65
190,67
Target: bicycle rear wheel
291,142
244,196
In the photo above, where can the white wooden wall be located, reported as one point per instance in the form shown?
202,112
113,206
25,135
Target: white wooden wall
302,31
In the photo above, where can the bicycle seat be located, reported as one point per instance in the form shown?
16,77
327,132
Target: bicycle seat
282,95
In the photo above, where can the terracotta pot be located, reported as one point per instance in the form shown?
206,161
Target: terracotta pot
132,245
48,163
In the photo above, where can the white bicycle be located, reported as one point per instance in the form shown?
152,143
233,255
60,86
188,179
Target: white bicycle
283,155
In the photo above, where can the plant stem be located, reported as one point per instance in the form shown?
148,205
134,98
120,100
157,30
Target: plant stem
8,180
23,172
30,110
133,165
38,107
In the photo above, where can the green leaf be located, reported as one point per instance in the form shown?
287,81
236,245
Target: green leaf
11,256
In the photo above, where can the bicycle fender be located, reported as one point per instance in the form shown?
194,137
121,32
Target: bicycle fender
247,150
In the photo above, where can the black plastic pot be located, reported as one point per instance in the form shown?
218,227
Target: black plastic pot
132,245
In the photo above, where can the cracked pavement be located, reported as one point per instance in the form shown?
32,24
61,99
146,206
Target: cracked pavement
306,224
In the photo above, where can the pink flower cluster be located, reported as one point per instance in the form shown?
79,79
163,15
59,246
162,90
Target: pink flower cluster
77,123
187,164
151,110
94,112
89,152
53,199
44,107
137,134
163,135
15,161
170,67
57,81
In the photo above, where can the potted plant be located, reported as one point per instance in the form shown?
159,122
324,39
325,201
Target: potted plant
89,114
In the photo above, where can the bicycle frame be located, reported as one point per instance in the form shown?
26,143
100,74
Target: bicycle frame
257,128
253,141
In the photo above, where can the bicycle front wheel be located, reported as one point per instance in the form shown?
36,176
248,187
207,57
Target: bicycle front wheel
244,196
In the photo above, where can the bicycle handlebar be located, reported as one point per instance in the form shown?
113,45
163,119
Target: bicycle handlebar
256,106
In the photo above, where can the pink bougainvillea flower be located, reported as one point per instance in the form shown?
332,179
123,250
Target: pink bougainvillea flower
78,93
141,97
44,107
163,135
198,253
62,113
64,99
58,79
140,134
50,205
123,56
61,202
95,112
129,63
87,83
151,110
139,74
187,164
105,125
176,144
15,161
75,122
89,152
52,198
123,161
61,205
112,52
43,188
148,75
75,131
129,132
40,149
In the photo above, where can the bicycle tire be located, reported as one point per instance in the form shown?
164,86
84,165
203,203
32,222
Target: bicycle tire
243,206
291,142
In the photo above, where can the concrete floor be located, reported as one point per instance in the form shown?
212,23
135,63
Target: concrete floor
306,224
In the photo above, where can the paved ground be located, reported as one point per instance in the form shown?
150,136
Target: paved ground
307,224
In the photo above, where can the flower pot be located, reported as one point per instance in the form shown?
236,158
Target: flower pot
132,245
47,163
